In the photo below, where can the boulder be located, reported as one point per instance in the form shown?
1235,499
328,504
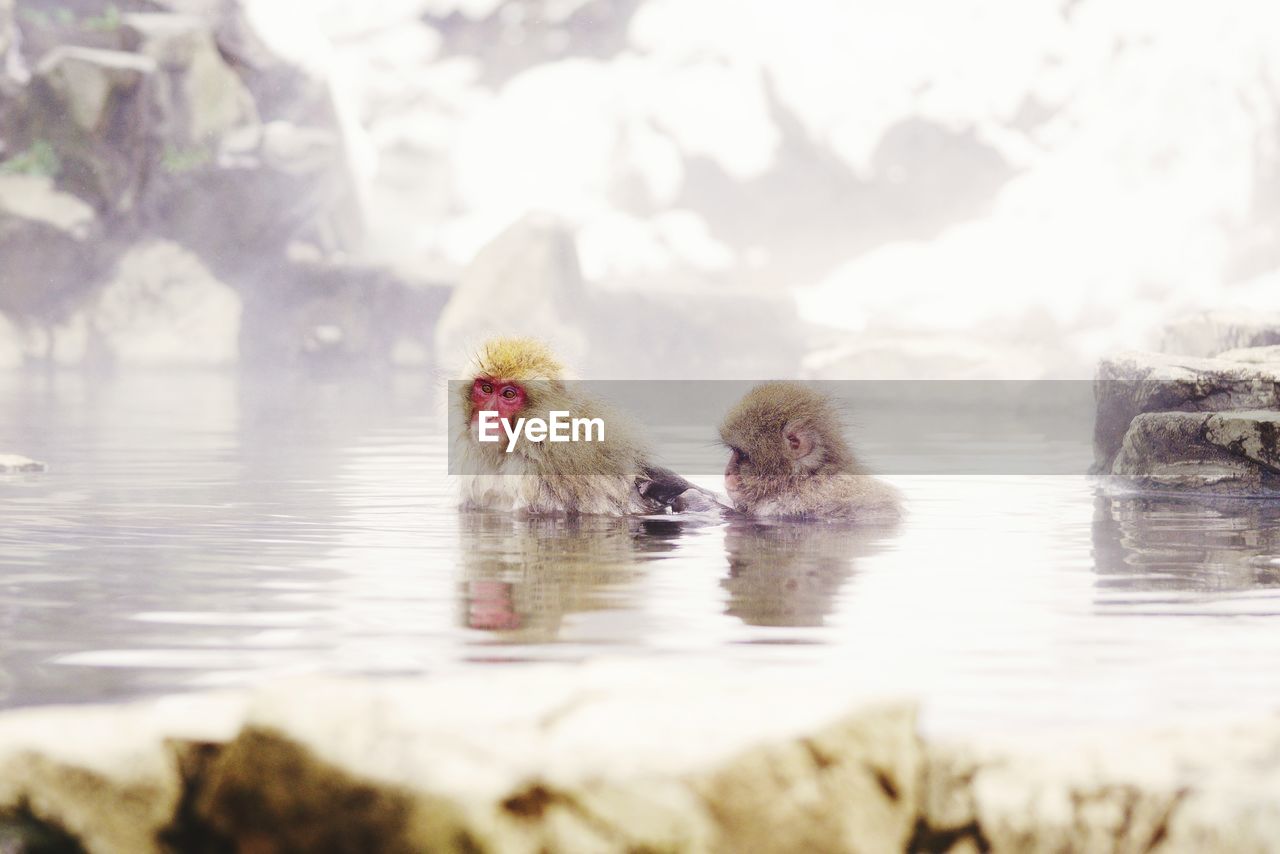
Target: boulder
1228,453
284,60
242,209
164,308
525,282
614,756
92,106
158,122
1133,383
199,98
1211,332
1206,788
223,183
50,243
110,777
590,758
587,760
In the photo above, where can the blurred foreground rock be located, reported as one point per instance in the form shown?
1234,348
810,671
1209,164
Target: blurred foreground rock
1205,789
609,758
528,281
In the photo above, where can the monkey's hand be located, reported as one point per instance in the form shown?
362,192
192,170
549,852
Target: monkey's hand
664,489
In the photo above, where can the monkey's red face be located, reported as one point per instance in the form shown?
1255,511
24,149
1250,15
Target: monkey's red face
489,394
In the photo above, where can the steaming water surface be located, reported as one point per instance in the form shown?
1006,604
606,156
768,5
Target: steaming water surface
196,531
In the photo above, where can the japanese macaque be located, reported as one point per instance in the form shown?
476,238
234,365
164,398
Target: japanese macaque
789,459
519,378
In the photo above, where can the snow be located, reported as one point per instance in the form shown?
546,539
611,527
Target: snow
1138,137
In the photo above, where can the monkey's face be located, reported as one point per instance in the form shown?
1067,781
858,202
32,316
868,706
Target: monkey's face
508,376
759,464
768,456
733,474
494,394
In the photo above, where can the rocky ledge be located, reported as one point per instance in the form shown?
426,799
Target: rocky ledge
1188,423
607,758
1224,452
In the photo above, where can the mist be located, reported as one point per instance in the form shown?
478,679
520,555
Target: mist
663,189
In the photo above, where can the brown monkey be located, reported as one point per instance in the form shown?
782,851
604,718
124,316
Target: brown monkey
518,378
790,459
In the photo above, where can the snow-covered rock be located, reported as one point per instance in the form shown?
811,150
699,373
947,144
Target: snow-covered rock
1229,453
526,282
1059,184
613,757
1268,355
1210,333
163,308
1131,384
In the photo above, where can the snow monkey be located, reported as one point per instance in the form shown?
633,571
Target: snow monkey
789,459
603,468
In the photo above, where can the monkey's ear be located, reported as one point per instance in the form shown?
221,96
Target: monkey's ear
799,440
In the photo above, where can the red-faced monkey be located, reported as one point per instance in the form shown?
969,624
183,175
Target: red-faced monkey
515,382
789,459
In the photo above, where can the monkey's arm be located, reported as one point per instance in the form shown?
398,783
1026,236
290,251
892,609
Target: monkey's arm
664,488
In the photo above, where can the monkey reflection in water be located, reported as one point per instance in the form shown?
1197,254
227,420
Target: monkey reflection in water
785,573
1185,544
522,575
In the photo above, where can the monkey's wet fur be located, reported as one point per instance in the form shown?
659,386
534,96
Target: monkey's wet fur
789,459
521,378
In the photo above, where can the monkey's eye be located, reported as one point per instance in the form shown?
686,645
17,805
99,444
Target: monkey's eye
487,388
509,393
